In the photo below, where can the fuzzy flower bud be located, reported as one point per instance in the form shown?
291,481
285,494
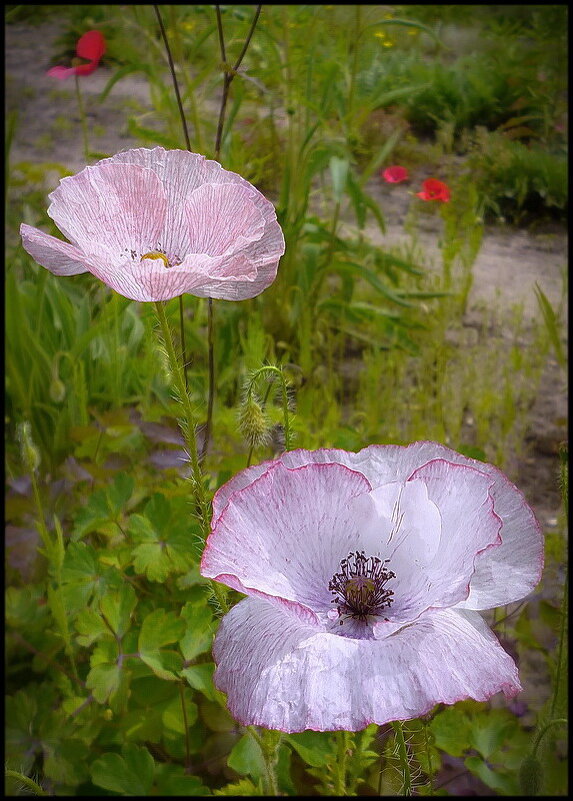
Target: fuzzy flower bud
57,390
28,449
253,422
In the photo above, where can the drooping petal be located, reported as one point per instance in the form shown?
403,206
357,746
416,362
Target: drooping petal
61,72
282,673
110,209
85,69
520,554
58,257
285,536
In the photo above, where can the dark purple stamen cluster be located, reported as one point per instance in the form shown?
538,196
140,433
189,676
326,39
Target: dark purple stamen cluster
359,587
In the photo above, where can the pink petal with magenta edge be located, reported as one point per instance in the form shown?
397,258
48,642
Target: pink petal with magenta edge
286,534
502,574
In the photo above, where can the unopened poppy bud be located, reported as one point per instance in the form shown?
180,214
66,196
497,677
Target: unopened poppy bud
253,422
57,390
28,449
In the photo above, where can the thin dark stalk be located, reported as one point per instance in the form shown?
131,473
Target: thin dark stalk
228,75
229,72
188,144
173,77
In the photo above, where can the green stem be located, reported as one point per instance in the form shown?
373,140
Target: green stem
26,781
182,336
188,428
354,70
429,759
189,423
544,730
269,742
403,757
341,764
82,119
186,724
211,395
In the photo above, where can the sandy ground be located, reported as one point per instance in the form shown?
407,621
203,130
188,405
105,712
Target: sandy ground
507,267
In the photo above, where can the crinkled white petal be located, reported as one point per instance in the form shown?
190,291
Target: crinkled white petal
502,574
222,219
58,257
109,209
282,673
181,173
173,202
286,535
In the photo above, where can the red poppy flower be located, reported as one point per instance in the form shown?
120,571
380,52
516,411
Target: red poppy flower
434,190
395,175
90,46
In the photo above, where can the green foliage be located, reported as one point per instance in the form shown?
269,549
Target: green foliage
109,624
516,181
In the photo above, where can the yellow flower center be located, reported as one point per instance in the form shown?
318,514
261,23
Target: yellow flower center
155,254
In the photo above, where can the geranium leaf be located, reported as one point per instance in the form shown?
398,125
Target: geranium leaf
128,774
103,681
247,758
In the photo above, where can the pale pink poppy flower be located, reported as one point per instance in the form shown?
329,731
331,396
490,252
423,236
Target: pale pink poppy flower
155,223
365,573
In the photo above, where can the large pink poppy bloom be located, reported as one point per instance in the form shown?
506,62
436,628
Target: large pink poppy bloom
365,573
153,224
91,46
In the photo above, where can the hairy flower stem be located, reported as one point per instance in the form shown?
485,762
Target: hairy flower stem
341,763
403,757
211,395
188,144
269,742
83,119
188,427
189,424
30,784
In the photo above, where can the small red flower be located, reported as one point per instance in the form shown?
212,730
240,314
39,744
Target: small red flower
90,46
434,190
395,175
